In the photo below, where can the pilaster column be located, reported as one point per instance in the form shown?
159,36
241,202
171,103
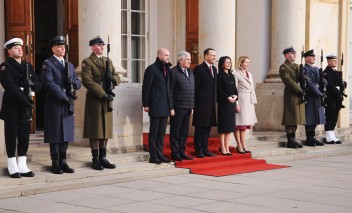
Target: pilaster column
287,28
217,21
103,18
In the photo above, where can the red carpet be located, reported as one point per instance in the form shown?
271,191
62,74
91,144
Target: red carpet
219,165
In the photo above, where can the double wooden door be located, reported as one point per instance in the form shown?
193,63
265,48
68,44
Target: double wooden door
20,22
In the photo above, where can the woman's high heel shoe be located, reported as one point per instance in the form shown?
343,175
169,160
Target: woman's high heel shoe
240,152
222,152
247,151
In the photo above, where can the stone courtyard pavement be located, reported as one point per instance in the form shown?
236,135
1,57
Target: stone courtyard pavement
315,185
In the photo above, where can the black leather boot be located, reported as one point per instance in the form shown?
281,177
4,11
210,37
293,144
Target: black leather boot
291,141
104,162
317,143
55,166
309,141
63,164
95,160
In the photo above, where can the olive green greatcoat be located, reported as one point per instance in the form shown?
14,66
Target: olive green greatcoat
294,111
97,121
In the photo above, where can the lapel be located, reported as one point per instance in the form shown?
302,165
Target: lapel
245,77
179,68
205,65
57,63
97,61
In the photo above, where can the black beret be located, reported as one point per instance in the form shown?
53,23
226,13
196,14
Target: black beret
289,49
96,40
57,40
309,53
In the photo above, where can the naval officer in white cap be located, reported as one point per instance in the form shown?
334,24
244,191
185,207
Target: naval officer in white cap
16,107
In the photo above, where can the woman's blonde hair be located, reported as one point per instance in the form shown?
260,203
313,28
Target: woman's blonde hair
240,61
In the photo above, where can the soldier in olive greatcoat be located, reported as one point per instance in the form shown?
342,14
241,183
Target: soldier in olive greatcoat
98,121
294,109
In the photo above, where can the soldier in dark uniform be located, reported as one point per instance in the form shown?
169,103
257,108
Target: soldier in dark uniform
16,107
294,109
97,119
335,88
58,122
314,109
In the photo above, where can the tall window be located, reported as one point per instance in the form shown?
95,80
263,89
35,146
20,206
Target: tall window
134,38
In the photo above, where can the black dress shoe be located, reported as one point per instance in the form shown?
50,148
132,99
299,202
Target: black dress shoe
329,142
163,159
199,155
106,164
155,161
184,156
176,158
15,175
221,153
27,174
317,143
209,154
338,142
228,154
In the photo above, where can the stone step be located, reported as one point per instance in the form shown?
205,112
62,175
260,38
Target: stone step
81,173
43,164
48,185
304,153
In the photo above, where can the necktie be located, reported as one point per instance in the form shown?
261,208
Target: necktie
211,70
62,62
185,71
164,71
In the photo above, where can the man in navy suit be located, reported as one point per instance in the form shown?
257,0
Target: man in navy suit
205,76
156,101
181,105
58,122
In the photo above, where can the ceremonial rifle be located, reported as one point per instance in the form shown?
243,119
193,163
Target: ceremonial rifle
302,80
28,84
69,83
343,84
109,82
322,84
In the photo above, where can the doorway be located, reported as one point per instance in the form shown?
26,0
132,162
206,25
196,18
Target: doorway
48,22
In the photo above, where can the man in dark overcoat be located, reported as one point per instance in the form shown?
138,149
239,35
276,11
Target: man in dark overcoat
314,108
156,101
181,105
16,107
98,120
334,98
204,117
294,109
58,122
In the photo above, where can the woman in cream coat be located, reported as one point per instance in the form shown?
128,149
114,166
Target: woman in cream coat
246,116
